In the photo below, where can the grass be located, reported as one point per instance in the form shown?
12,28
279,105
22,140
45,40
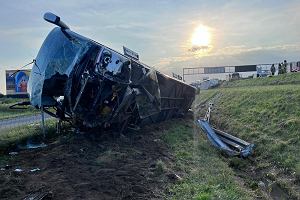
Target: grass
268,116
108,157
10,137
207,176
6,113
202,99
284,79
5,100
265,112
160,167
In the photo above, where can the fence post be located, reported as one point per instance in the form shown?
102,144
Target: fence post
43,121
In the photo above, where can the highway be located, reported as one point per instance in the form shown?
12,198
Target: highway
19,121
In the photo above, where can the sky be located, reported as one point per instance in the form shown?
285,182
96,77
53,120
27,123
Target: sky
161,31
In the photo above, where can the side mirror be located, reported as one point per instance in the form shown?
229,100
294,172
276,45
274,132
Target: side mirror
54,19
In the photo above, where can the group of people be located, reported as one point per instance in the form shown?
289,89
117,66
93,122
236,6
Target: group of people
282,68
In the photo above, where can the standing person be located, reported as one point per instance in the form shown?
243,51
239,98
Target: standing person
284,66
273,70
279,68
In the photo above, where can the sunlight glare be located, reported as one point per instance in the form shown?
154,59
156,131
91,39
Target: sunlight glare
201,36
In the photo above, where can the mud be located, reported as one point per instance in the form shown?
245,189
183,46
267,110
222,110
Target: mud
268,183
91,166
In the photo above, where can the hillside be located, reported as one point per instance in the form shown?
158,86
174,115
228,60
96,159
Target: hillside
266,112
284,79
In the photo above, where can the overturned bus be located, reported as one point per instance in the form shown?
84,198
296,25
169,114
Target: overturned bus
76,79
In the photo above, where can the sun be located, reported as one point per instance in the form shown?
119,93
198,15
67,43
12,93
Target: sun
201,36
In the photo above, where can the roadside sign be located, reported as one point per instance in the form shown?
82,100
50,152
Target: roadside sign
16,81
130,53
177,76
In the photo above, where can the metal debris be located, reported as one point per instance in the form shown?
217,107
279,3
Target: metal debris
230,144
39,195
35,146
174,177
35,169
7,167
244,148
32,145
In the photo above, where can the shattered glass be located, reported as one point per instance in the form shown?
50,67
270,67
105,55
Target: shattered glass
58,54
115,67
96,86
150,103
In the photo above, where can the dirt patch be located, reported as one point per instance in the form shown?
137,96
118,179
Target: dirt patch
91,166
266,180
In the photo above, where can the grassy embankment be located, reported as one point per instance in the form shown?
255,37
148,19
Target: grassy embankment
6,113
206,175
10,137
266,112
285,79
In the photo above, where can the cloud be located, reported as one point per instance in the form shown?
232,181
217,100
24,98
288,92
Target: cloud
199,48
230,56
242,31
234,50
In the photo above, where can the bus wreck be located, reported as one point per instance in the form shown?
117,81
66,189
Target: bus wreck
91,85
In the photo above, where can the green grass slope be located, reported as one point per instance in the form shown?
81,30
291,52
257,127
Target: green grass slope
265,114
206,175
268,116
6,113
284,79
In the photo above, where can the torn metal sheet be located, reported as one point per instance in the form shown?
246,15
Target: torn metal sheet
30,145
13,153
91,85
214,139
231,137
245,148
232,145
39,195
18,170
35,170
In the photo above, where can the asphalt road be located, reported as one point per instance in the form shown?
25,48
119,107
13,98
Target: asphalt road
19,121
